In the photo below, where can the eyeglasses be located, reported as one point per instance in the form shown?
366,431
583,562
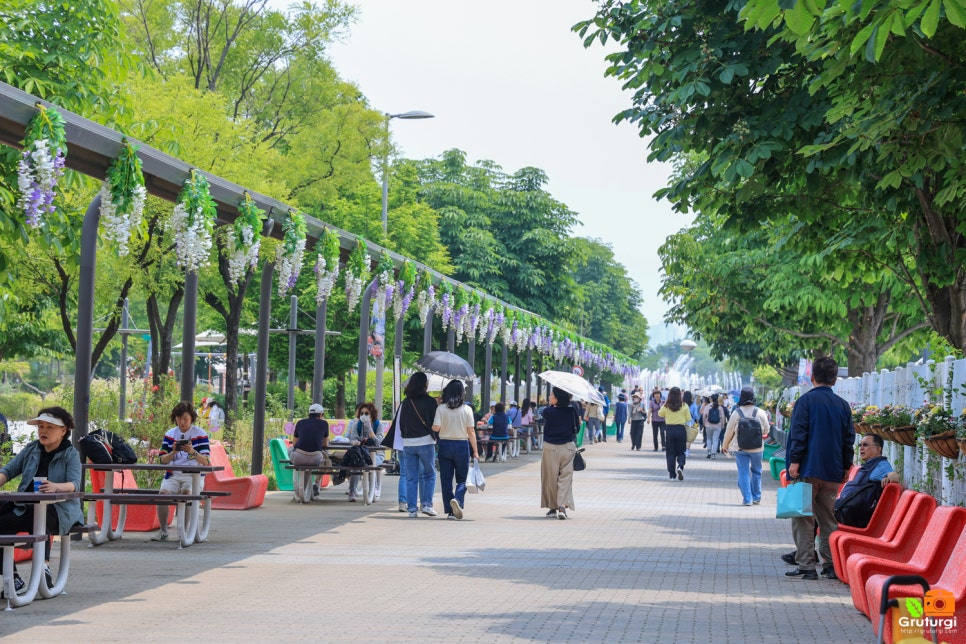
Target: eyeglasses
866,444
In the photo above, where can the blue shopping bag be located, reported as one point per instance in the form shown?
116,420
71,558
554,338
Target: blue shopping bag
794,501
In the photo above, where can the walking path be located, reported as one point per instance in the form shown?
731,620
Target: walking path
642,559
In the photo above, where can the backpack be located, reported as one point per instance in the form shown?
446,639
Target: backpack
714,415
749,430
356,456
103,447
856,509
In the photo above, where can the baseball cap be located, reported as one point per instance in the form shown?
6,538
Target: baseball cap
316,408
513,403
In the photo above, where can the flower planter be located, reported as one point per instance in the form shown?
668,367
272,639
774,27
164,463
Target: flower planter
943,444
962,445
902,435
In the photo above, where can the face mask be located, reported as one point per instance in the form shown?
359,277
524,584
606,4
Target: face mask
364,417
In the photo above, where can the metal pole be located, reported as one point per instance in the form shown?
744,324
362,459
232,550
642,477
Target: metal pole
122,407
516,377
487,369
471,358
293,331
363,341
503,356
428,331
261,367
188,339
529,370
380,375
385,183
318,372
397,352
85,319
451,339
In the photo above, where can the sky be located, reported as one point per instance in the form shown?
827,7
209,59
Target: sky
509,82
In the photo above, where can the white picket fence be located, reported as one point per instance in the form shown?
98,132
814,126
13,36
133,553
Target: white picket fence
920,468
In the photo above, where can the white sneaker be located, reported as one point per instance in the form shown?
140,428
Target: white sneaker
403,507
413,514
454,505
428,510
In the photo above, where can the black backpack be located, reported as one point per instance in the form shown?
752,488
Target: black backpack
714,415
749,430
356,456
855,505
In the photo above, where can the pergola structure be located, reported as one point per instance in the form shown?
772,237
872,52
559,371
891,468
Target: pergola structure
92,147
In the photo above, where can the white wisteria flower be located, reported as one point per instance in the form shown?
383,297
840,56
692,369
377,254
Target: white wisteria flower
289,266
120,226
244,255
192,239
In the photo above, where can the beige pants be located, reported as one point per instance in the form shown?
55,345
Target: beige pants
557,476
803,528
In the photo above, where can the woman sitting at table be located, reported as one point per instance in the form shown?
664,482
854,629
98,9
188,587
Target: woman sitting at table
366,429
183,444
53,458
499,432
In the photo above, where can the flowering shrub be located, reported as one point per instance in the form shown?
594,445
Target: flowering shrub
41,164
895,416
787,408
931,420
122,198
290,253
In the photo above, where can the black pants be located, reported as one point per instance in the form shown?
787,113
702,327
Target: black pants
11,523
677,439
658,429
637,433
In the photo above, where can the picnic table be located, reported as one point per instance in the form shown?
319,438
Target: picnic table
302,485
37,584
193,526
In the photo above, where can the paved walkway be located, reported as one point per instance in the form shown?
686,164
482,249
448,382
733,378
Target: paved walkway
642,559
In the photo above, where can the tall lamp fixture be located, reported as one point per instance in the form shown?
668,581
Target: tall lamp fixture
385,163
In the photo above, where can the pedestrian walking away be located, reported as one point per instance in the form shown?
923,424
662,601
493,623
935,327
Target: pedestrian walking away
677,417
747,452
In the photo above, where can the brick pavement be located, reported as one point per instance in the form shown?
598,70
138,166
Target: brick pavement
642,559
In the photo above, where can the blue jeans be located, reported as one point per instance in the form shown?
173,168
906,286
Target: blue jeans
620,430
749,475
424,480
454,460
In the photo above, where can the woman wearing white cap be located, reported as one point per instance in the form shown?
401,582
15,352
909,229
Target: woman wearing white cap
53,458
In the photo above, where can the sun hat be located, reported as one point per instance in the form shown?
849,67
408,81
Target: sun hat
46,418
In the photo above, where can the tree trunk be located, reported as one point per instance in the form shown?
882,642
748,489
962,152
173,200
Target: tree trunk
339,410
162,333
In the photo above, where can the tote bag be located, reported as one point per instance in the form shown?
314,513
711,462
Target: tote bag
794,501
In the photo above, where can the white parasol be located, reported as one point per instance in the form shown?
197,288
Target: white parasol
574,385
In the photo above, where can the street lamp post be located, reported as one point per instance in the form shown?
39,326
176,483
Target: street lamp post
385,163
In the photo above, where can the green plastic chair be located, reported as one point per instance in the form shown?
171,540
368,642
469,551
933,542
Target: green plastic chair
279,452
776,465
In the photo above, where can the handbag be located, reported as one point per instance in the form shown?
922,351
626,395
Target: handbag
692,433
579,463
475,481
794,501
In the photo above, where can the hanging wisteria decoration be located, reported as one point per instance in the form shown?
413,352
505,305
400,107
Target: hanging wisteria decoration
426,299
291,252
386,281
446,304
506,329
191,223
461,312
472,322
122,198
357,273
327,264
41,164
496,324
244,240
405,290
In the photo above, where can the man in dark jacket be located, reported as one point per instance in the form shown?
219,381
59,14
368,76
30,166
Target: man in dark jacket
819,451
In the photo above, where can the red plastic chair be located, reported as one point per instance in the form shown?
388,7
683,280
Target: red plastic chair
949,575
894,499
139,518
883,529
245,492
928,555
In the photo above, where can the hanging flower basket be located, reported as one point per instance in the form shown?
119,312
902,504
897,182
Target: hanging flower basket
327,265
191,223
290,253
41,165
903,435
944,444
122,198
357,273
244,240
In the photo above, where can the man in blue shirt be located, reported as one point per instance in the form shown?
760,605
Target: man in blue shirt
820,451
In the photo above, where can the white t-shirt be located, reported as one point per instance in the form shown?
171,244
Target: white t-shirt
453,423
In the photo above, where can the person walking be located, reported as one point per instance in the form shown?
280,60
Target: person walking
605,411
638,418
677,417
713,418
620,416
457,444
415,415
747,458
592,416
656,420
561,424
819,451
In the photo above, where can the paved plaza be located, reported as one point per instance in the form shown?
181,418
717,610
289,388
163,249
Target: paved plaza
642,559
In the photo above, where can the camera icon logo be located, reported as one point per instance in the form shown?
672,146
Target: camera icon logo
939,603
